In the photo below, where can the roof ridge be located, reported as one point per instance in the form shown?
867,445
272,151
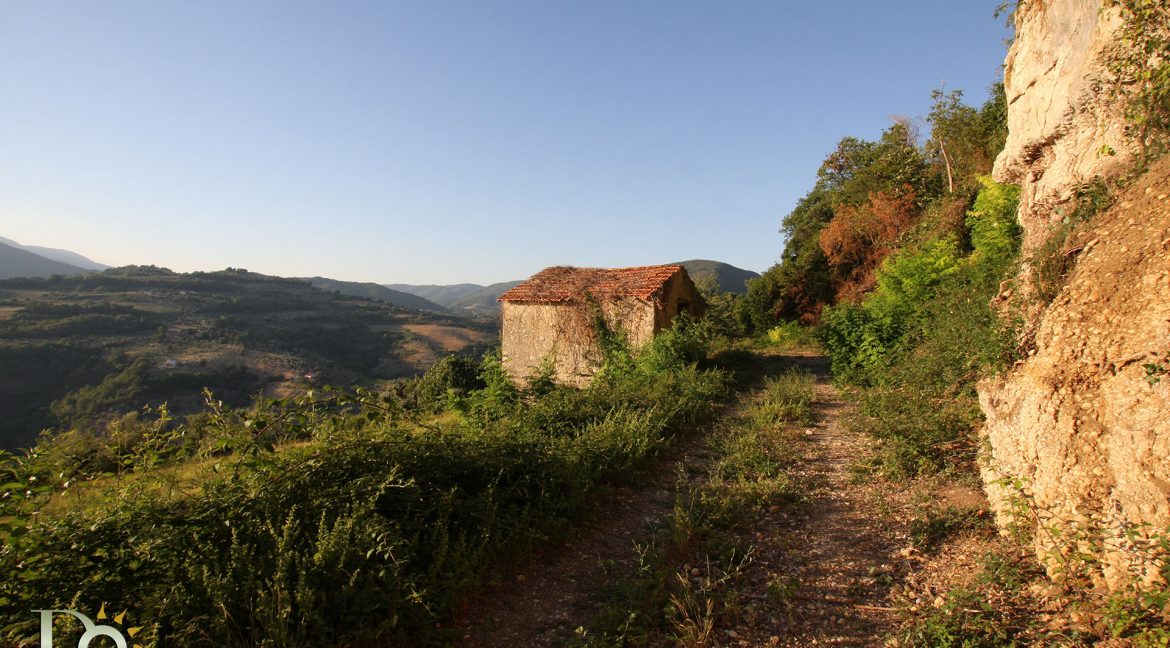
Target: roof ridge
557,284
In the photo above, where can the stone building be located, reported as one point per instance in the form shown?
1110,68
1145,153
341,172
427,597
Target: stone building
552,315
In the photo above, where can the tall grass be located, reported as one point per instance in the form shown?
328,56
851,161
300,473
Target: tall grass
753,450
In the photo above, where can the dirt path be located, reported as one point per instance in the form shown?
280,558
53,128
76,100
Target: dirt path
840,552
541,600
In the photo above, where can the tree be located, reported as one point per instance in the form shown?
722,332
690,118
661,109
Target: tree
892,171
963,140
859,237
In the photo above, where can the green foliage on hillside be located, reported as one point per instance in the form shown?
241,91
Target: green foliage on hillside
995,232
1142,71
903,309
873,198
104,344
139,383
896,253
333,517
805,280
919,342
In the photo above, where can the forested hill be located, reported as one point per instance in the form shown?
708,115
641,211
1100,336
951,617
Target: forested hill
83,348
724,276
469,299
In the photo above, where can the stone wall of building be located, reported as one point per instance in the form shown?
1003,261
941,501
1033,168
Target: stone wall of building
565,333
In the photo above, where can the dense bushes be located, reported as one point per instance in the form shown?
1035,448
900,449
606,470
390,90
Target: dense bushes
896,253
450,378
335,517
861,340
922,338
870,200
139,383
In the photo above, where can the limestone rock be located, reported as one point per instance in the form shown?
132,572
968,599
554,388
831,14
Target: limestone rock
1077,425
1075,431
1064,127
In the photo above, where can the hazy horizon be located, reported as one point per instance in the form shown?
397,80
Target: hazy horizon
450,142
7,240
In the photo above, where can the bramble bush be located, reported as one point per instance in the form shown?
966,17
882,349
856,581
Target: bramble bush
450,378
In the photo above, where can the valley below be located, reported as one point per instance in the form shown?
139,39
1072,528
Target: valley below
86,349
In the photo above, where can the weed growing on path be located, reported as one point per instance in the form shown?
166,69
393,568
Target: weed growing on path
686,586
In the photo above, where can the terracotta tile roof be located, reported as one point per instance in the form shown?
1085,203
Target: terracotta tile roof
563,284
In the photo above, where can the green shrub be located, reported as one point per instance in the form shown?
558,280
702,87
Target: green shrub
863,340
994,228
928,532
725,311
1141,72
371,533
499,395
965,620
920,341
683,344
786,398
367,528
449,379
791,335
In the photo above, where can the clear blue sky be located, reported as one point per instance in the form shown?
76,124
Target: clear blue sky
440,142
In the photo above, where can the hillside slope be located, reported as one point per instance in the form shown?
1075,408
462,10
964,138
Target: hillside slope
372,290
56,254
483,300
18,262
108,343
442,295
469,299
726,276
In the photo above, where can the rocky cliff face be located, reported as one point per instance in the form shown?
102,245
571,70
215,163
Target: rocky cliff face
1064,127
1078,437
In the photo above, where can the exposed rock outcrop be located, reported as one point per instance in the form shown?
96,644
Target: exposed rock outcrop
1064,125
1078,438
1077,425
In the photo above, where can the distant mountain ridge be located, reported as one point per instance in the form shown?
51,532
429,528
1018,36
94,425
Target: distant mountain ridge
55,254
477,299
374,291
18,262
469,299
439,294
726,276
